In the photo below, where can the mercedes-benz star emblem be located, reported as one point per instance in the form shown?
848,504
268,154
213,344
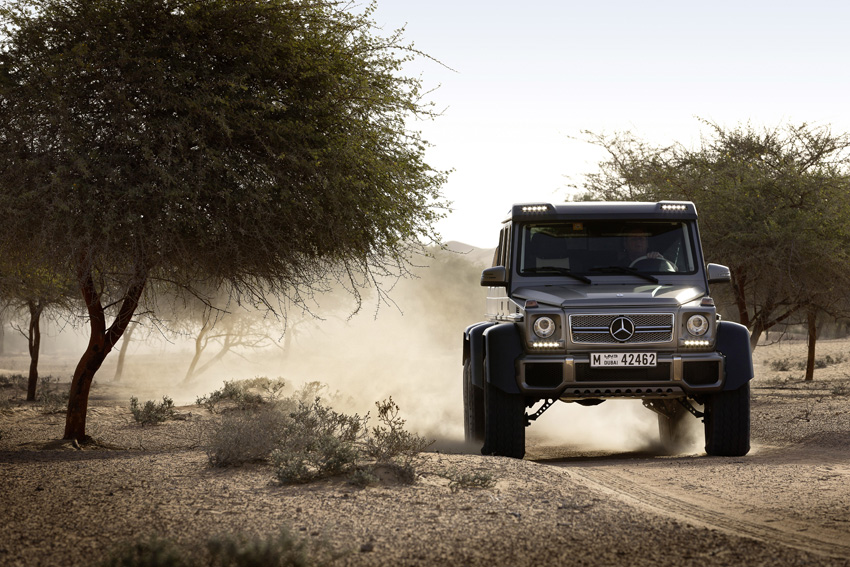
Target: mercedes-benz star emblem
622,329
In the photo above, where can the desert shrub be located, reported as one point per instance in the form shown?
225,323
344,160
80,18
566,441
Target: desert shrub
152,413
786,364
244,436
307,441
13,381
780,365
389,443
243,394
317,442
464,480
152,552
282,550
51,396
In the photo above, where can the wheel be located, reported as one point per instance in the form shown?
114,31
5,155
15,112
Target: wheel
674,431
504,423
473,408
727,423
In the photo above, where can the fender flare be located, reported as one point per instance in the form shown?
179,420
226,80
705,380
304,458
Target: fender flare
473,350
733,342
503,346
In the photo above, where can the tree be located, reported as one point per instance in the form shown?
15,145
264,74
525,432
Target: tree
259,147
33,290
773,205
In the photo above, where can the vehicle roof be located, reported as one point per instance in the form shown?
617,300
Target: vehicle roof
602,210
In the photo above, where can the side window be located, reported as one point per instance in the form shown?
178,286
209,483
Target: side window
499,256
506,247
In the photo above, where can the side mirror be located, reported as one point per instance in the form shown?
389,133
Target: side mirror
718,274
496,276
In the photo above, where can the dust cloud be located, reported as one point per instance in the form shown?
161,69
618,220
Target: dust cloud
410,351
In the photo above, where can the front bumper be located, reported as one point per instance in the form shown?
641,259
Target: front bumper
572,378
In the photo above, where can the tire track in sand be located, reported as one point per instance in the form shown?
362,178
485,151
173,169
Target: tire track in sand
698,513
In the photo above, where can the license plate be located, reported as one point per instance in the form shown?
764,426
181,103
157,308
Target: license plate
622,359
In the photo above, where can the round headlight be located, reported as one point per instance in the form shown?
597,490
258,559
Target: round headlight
697,325
544,327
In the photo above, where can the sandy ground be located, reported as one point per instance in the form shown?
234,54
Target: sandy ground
786,503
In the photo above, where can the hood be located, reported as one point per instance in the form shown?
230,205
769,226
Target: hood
612,295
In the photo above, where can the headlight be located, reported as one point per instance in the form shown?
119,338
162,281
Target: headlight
544,327
697,325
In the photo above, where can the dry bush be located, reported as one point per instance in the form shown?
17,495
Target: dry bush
305,441
152,413
318,442
390,445
281,549
243,394
246,435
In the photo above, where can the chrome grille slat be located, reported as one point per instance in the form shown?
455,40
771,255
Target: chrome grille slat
594,328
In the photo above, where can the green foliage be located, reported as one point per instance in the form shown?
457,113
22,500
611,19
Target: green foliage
256,147
773,205
239,141
152,413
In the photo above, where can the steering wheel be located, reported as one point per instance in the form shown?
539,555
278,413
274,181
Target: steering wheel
654,264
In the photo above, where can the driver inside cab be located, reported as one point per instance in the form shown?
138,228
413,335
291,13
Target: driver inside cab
637,246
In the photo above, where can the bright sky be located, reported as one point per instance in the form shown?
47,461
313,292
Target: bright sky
532,75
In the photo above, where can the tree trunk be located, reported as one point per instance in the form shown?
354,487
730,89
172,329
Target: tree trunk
122,354
811,321
101,342
34,344
200,346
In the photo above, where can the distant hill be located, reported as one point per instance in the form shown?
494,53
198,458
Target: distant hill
479,256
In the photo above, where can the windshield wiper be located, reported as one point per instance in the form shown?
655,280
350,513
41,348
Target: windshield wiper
625,270
558,270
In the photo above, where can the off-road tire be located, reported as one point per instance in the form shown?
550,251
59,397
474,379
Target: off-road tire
727,423
504,423
473,407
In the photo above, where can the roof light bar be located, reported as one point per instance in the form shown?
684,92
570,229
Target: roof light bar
535,208
673,207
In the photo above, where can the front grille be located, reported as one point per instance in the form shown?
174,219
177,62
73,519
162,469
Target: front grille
595,328
587,373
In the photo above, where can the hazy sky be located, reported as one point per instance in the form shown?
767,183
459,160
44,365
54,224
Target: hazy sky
531,76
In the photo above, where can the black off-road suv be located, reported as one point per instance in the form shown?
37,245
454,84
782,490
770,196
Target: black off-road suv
595,301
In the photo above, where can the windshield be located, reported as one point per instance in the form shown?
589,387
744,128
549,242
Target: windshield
606,247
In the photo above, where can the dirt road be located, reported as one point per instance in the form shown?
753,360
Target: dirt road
786,503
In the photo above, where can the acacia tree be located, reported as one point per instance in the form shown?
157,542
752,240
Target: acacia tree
773,205
32,292
257,146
